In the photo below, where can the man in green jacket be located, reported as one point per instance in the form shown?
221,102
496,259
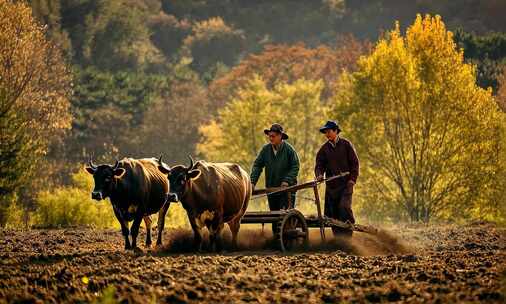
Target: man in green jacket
281,166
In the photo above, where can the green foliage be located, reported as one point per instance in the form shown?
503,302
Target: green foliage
491,46
426,134
107,107
73,206
487,52
213,41
118,38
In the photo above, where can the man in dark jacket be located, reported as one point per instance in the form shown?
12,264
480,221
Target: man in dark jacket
335,156
281,166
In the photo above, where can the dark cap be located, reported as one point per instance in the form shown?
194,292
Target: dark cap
330,124
278,129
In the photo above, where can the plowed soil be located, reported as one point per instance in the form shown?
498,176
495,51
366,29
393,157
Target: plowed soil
409,264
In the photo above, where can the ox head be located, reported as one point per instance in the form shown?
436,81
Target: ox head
104,175
179,178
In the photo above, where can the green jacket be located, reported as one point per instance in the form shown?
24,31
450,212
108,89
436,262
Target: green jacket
282,167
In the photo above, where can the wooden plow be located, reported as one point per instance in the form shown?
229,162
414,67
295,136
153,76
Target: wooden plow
292,225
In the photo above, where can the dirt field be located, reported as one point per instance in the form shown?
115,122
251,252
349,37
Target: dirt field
435,264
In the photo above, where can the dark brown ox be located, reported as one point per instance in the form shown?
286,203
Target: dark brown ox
212,194
136,189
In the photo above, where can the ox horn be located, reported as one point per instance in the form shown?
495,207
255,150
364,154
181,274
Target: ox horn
163,167
91,164
191,162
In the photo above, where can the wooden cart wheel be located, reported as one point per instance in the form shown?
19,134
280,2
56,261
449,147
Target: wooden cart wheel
293,232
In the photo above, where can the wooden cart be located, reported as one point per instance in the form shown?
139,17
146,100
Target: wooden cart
292,225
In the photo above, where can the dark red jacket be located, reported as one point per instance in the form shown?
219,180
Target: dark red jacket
334,160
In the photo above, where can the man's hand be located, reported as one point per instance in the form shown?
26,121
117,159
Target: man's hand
284,184
319,178
349,187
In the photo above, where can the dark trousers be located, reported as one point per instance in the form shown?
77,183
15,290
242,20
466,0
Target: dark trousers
279,201
338,206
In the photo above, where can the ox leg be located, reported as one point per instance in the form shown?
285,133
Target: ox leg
234,225
161,222
197,238
124,228
147,223
215,237
134,230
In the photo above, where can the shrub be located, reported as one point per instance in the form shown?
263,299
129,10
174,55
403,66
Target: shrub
73,206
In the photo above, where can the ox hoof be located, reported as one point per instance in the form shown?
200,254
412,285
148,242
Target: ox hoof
137,250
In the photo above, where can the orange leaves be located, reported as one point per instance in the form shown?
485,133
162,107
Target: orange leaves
288,63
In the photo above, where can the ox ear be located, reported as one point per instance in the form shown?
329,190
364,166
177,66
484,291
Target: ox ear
193,174
90,170
119,173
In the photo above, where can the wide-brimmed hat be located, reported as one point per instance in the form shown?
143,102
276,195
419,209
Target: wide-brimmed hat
330,124
278,129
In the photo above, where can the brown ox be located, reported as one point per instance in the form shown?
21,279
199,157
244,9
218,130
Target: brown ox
212,194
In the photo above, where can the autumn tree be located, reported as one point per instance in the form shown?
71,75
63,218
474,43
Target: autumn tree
34,91
425,132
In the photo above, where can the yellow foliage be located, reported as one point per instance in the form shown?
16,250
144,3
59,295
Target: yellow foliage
177,217
14,215
212,25
423,129
73,206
